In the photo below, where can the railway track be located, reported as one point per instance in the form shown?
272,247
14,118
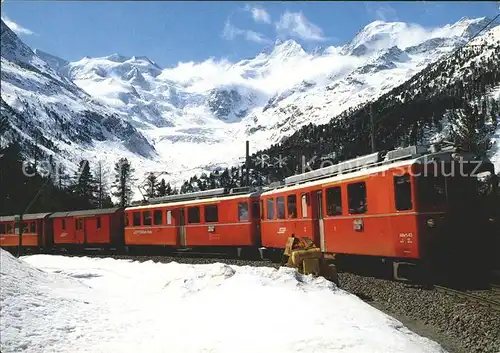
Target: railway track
487,301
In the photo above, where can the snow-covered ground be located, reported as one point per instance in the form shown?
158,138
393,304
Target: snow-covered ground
71,304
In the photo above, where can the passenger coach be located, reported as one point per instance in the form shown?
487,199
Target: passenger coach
35,231
212,218
410,207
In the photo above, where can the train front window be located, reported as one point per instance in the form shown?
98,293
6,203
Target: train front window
402,192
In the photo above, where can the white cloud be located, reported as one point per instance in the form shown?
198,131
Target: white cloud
16,28
297,25
231,32
259,14
386,13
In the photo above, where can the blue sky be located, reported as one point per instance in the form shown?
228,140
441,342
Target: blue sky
172,32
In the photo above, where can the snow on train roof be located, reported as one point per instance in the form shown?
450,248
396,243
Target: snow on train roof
26,217
342,177
195,201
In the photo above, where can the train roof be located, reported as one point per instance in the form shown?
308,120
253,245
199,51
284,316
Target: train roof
364,166
85,212
196,201
28,217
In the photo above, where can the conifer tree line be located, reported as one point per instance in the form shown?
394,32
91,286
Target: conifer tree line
86,188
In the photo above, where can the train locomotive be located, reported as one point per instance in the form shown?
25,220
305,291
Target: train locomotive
414,211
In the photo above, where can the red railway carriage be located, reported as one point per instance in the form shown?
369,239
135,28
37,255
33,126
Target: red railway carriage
102,227
207,218
36,230
408,207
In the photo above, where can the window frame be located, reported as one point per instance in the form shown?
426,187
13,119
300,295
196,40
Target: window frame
208,207
240,204
294,196
304,201
157,221
9,228
262,213
136,216
63,223
3,228
169,216
189,215
408,182
358,210
147,215
127,221
339,194
98,222
32,227
270,208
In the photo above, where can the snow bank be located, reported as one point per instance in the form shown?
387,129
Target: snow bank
106,305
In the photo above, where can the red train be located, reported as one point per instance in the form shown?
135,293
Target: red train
411,208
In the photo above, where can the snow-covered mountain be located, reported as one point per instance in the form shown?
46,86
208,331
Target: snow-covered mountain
46,108
196,116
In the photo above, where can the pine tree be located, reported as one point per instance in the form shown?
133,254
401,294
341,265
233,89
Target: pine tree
151,185
123,182
84,185
103,199
164,188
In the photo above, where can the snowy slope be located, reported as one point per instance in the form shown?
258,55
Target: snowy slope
197,115
106,305
40,104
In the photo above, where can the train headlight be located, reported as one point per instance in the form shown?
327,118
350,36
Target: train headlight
431,223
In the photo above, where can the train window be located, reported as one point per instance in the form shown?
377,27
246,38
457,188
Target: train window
9,228
270,208
305,202
334,201
158,217
169,217
255,210
98,220
2,228
63,224
402,192
32,227
126,219
280,205
261,209
291,205
146,218
243,211
25,227
194,215
136,219
357,198
211,213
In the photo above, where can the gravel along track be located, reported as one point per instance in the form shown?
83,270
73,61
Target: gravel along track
461,325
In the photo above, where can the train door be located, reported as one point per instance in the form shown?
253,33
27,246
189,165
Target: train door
90,230
182,227
318,217
80,231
